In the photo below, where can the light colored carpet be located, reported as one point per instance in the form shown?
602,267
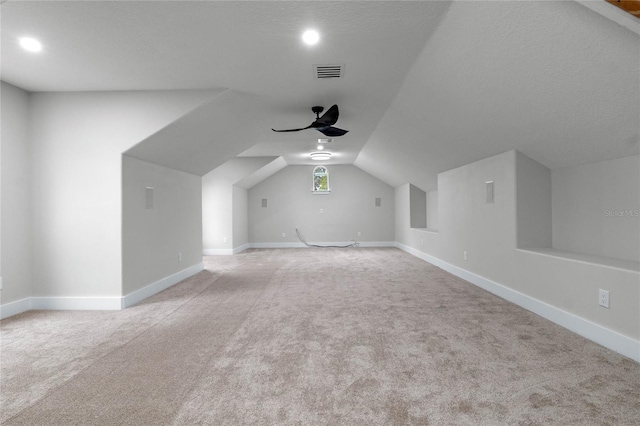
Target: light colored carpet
311,337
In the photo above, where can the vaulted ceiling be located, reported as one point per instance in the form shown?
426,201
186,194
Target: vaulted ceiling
427,85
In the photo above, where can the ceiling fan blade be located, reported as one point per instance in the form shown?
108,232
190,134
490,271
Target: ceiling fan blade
332,131
329,118
292,130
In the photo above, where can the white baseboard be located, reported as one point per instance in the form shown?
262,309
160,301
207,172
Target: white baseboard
603,336
158,286
225,252
277,245
324,243
14,308
376,244
75,303
217,252
96,303
241,248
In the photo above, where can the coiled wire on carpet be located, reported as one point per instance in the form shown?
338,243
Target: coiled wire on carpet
301,238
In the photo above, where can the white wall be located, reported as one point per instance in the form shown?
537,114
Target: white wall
166,238
77,140
563,289
349,209
220,219
426,240
432,210
468,223
596,208
533,199
240,216
15,195
418,202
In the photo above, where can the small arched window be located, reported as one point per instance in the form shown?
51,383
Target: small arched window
321,180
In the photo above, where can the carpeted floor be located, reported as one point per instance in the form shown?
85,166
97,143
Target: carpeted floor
311,337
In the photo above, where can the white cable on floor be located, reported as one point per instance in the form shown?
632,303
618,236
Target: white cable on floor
301,238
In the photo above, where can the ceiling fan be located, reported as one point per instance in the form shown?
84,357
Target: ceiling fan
322,124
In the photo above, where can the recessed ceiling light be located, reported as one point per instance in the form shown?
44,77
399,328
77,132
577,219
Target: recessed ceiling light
310,37
320,156
30,44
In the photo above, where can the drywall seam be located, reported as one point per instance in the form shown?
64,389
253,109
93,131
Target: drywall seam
610,339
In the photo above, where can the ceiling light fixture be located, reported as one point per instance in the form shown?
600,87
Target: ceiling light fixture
30,44
321,156
311,37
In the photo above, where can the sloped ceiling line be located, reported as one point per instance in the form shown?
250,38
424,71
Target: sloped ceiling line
207,136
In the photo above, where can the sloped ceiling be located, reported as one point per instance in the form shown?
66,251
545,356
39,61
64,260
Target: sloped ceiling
429,85
263,173
207,136
551,79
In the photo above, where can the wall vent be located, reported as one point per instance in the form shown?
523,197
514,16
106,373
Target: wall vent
148,198
328,71
490,191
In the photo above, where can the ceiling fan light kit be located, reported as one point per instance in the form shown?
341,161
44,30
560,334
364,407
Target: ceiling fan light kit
321,155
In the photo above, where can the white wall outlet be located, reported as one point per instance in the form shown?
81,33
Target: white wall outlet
603,298
321,210
359,234
226,240
465,255
422,242
179,256
284,235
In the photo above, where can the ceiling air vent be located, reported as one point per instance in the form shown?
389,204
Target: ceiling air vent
328,71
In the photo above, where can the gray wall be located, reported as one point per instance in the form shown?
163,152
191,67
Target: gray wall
432,210
418,205
15,196
160,241
596,208
533,199
77,141
224,214
488,233
349,209
467,223
240,216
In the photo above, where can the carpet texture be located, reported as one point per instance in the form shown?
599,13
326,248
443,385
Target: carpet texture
311,337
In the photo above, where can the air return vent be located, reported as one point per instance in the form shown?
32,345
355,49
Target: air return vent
328,71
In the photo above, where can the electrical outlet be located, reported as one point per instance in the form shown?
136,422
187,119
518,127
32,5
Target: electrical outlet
359,234
422,242
226,240
465,255
179,256
603,298
321,210
284,235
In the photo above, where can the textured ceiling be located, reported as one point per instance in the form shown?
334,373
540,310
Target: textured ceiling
551,79
428,85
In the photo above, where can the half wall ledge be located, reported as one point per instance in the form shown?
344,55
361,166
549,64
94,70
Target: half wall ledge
608,262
